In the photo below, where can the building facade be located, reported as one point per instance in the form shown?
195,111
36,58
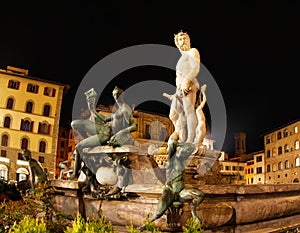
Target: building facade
282,154
29,119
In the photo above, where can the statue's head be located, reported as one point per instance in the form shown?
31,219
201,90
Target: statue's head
117,92
182,41
26,154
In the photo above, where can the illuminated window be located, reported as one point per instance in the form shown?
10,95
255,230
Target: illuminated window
46,111
4,140
286,164
297,162
33,88
296,129
297,145
49,91
286,148
6,122
13,84
279,135
258,159
279,150
274,151
29,107
280,167
10,103
44,128
24,143
26,125
42,146
3,173
258,170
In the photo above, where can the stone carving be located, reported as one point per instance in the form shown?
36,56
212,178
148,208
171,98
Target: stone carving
37,172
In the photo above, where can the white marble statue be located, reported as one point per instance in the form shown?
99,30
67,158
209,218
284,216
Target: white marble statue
201,125
187,70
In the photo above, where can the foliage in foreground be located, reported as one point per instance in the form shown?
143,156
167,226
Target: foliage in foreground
35,214
192,226
28,225
150,227
95,225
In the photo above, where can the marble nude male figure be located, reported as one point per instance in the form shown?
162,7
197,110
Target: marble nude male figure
187,85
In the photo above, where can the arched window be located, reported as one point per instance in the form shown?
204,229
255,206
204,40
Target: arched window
268,168
3,172
22,174
273,167
4,140
279,150
44,128
279,135
10,103
6,122
286,164
46,111
274,152
297,162
286,133
26,125
268,153
42,147
297,145
24,143
280,166
286,148
29,107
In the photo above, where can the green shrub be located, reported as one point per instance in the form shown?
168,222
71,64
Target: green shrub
28,225
96,225
150,227
192,226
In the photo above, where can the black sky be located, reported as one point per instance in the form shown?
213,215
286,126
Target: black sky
251,48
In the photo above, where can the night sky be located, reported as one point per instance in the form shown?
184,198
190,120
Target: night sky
251,48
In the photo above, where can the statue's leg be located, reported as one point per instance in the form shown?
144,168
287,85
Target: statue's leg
194,197
191,118
90,142
84,127
164,202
